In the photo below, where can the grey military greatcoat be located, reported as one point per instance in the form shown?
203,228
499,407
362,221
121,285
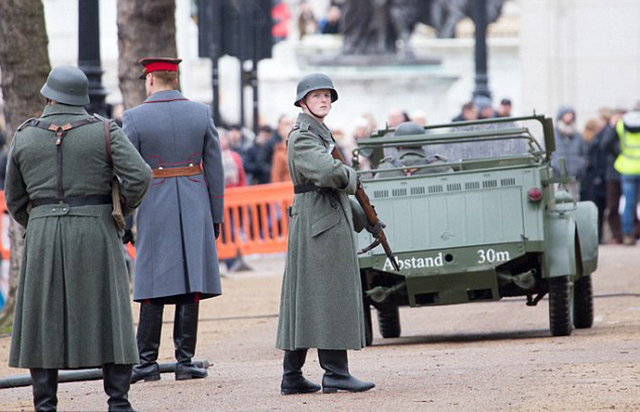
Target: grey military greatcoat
73,306
176,250
321,301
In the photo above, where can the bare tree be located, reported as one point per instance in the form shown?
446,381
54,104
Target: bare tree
145,28
24,63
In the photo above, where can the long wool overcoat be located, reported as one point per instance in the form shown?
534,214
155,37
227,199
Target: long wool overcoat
176,246
321,301
73,306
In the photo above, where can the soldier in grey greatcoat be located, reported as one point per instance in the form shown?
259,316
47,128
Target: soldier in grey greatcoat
179,220
321,302
73,308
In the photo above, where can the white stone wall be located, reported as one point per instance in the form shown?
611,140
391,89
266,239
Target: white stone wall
583,53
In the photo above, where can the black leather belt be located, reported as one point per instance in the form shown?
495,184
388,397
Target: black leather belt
310,187
92,200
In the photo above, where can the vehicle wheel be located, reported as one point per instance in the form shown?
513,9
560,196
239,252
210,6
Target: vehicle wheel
368,327
560,306
583,303
389,320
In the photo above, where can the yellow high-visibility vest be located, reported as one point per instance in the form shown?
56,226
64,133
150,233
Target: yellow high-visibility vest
628,162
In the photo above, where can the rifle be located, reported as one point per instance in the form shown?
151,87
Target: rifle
370,213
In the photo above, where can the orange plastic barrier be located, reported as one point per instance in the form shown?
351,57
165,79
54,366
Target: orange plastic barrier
255,221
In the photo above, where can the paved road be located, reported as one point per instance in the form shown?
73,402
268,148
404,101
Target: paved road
480,357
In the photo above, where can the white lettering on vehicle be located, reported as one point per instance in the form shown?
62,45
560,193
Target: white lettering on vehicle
415,262
491,256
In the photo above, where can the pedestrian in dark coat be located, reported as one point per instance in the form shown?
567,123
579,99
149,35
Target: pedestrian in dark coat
572,147
179,220
321,303
73,307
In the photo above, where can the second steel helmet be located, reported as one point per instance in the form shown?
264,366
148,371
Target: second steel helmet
408,129
68,85
314,81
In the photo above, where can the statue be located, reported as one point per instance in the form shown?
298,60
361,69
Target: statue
376,27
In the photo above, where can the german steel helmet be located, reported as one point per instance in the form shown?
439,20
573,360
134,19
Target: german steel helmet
409,129
314,81
68,85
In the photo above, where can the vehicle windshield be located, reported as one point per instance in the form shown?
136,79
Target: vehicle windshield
459,142
487,145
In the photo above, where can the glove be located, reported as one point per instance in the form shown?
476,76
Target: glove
216,229
128,237
376,229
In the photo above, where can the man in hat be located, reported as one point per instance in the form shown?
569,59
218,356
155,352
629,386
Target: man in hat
73,307
179,221
321,303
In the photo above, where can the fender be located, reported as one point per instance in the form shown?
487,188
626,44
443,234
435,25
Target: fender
586,217
559,258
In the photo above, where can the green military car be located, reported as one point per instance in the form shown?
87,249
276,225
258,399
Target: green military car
494,223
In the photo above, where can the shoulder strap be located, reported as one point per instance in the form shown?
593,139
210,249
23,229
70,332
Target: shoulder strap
26,123
107,140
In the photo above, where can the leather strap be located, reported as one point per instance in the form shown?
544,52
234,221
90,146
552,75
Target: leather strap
190,170
107,141
60,132
310,187
91,200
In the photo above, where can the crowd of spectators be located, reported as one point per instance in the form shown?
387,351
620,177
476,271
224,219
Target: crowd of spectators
329,23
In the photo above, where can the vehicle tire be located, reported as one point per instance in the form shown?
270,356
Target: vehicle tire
368,326
583,303
389,320
560,306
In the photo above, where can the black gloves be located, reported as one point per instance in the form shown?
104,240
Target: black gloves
216,229
376,229
128,237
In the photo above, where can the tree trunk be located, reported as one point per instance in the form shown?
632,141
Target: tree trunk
24,64
145,28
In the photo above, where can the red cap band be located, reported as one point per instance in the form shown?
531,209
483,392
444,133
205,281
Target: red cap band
161,66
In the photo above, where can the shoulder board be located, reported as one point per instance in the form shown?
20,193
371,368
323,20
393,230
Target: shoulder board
303,127
26,123
101,118
394,161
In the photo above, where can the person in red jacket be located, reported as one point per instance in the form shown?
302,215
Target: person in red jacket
234,175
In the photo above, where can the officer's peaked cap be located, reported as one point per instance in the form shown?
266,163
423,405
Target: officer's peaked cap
314,81
67,85
156,64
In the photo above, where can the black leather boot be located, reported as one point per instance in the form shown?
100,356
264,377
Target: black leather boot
148,337
185,331
292,380
45,389
117,379
336,373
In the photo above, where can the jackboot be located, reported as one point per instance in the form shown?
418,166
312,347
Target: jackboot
45,389
292,380
185,331
117,380
148,338
336,373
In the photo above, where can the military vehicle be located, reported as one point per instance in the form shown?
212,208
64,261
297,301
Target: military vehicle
495,223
